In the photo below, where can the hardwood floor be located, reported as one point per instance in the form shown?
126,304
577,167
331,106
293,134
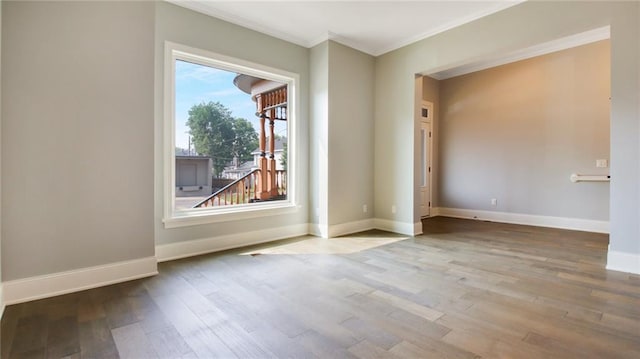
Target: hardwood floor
464,289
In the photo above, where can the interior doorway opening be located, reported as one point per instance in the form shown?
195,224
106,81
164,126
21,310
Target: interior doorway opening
508,133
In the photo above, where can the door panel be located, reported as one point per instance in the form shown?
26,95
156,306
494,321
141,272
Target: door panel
425,158
187,174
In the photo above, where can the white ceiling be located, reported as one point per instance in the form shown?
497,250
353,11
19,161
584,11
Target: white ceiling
374,27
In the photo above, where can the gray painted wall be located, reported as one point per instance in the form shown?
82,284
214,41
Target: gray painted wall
77,135
189,28
518,27
342,81
351,83
318,139
1,296
516,132
625,128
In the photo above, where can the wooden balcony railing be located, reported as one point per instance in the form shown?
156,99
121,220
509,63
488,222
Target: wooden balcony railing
243,190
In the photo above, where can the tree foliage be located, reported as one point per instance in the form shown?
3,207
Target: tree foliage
246,139
216,133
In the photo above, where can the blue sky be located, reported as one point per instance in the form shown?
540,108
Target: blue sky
196,84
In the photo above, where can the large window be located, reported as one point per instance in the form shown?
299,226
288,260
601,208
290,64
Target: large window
229,149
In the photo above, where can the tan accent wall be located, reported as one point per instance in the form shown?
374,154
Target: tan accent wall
516,132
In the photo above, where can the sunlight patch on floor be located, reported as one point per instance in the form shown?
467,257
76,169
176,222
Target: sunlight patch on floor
316,245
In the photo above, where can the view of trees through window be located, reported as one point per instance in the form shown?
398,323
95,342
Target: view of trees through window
217,139
214,132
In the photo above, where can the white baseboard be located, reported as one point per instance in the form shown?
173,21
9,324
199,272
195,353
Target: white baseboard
417,228
342,229
32,288
319,230
177,250
410,229
623,262
577,224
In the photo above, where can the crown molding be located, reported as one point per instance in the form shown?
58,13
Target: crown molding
564,43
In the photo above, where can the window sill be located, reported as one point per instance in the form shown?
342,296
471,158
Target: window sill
200,217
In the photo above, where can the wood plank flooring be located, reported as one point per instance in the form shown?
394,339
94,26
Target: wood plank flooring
464,289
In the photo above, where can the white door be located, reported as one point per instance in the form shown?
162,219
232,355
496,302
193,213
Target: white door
425,158
187,174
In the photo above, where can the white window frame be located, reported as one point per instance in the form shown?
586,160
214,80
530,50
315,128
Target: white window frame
198,216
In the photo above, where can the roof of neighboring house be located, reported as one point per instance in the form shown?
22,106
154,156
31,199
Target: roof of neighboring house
178,157
279,145
245,166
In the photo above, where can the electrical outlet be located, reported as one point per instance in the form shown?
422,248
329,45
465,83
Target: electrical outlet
364,208
494,201
393,209
602,163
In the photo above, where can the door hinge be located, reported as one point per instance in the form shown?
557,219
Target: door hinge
429,204
429,134
429,169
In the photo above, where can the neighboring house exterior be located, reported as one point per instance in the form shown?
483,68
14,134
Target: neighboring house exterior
235,171
193,176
